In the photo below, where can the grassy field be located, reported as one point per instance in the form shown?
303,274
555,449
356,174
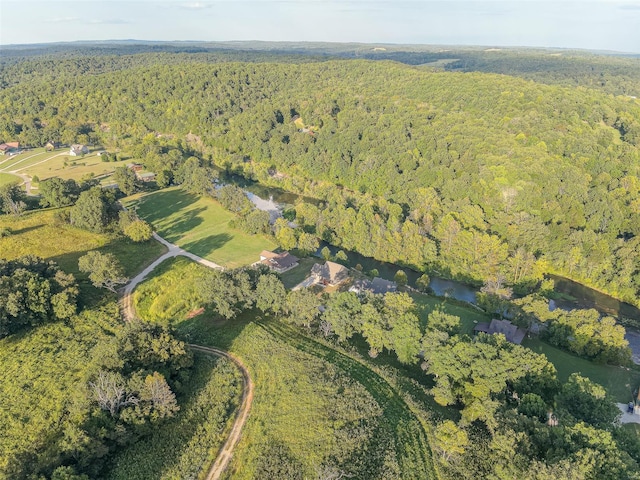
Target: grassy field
619,381
43,164
200,225
77,167
171,293
37,233
6,179
186,445
26,159
314,406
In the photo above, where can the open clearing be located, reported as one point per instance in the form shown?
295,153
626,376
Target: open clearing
76,169
43,164
200,225
37,233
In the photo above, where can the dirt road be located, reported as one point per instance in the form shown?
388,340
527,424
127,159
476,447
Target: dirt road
226,452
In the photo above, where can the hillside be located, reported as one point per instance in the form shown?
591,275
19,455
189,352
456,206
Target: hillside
472,175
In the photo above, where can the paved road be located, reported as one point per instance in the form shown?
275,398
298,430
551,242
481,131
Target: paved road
226,452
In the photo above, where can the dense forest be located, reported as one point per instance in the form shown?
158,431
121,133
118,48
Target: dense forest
475,176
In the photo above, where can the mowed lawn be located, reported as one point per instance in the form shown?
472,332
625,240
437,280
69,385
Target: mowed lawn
76,168
620,382
25,159
200,225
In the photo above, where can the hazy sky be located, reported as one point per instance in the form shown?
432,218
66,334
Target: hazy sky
590,24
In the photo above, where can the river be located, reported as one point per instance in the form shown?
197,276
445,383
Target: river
274,201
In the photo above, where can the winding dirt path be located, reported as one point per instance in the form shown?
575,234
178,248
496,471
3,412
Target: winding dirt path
226,451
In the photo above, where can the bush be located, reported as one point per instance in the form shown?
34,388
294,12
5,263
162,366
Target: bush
5,232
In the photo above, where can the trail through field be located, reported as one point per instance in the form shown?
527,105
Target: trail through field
226,452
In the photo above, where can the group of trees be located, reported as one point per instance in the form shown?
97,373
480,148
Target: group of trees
12,199
508,394
586,333
386,322
94,208
34,291
250,218
136,375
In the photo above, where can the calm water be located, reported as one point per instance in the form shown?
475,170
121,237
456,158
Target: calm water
269,198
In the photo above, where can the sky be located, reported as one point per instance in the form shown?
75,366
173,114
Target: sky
587,24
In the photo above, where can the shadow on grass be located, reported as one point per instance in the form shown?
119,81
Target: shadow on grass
209,330
27,229
207,245
410,439
132,256
187,222
153,208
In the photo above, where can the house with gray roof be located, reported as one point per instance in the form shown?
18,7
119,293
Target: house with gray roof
513,333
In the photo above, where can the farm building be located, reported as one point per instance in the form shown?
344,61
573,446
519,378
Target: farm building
9,147
136,167
146,177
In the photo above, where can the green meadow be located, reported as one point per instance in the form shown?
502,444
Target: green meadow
201,226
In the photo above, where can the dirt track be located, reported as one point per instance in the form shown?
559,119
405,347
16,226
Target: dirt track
226,452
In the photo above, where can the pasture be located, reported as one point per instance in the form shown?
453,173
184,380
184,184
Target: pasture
58,163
